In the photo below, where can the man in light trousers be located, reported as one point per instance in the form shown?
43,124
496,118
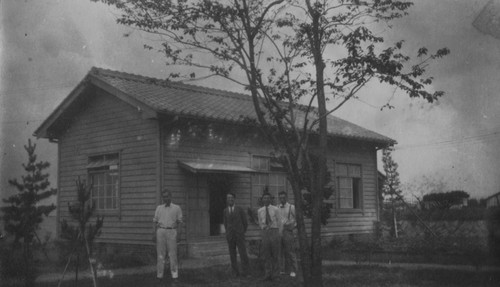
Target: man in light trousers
286,227
167,219
268,222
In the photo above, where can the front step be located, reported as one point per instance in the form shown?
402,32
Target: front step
207,248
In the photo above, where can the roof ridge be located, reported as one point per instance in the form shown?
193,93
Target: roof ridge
202,90
183,86
172,84
114,73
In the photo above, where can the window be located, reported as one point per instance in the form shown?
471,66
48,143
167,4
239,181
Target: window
103,174
260,163
349,185
270,177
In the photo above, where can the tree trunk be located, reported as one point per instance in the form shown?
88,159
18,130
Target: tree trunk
304,247
318,179
394,221
91,264
317,195
76,267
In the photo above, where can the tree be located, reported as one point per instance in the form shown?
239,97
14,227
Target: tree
292,56
392,186
424,185
445,200
83,234
24,213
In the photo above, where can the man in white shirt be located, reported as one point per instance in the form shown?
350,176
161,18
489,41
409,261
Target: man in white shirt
167,218
269,224
286,227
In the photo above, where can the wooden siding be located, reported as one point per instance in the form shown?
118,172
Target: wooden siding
207,150
187,186
108,125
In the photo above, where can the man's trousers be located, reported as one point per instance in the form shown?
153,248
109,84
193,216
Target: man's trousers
288,258
271,252
238,241
166,242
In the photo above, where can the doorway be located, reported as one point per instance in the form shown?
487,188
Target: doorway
218,187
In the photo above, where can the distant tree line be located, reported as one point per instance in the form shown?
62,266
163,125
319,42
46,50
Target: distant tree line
444,200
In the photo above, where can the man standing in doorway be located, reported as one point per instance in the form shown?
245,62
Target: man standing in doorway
235,223
286,227
269,223
167,219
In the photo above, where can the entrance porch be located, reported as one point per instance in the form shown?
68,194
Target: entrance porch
208,186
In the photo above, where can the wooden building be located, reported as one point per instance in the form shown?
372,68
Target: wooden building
493,200
131,136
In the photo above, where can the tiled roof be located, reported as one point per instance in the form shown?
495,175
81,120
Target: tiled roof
211,104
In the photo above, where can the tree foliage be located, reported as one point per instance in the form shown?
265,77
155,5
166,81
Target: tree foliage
391,188
82,234
24,213
293,57
392,185
445,200
82,211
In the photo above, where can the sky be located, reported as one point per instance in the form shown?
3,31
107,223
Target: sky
48,46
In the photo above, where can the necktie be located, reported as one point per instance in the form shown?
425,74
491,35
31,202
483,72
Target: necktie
268,217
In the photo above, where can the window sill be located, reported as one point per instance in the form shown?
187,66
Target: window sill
349,210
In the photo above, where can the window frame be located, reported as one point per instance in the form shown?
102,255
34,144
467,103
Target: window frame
105,170
267,173
356,179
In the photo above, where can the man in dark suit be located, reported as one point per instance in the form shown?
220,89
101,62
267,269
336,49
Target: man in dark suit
235,223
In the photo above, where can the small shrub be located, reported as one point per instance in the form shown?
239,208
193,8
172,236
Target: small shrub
362,247
493,225
464,214
254,247
66,249
115,256
14,266
336,243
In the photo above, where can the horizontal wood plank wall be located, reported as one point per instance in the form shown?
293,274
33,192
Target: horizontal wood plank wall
349,221
184,183
239,153
109,125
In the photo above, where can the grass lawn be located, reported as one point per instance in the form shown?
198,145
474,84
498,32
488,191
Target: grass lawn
333,276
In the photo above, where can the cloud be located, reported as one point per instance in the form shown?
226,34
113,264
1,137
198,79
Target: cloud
454,138
48,47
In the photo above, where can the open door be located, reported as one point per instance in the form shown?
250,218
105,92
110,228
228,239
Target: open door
198,205
218,187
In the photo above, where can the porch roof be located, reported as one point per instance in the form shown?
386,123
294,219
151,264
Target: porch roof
198,167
